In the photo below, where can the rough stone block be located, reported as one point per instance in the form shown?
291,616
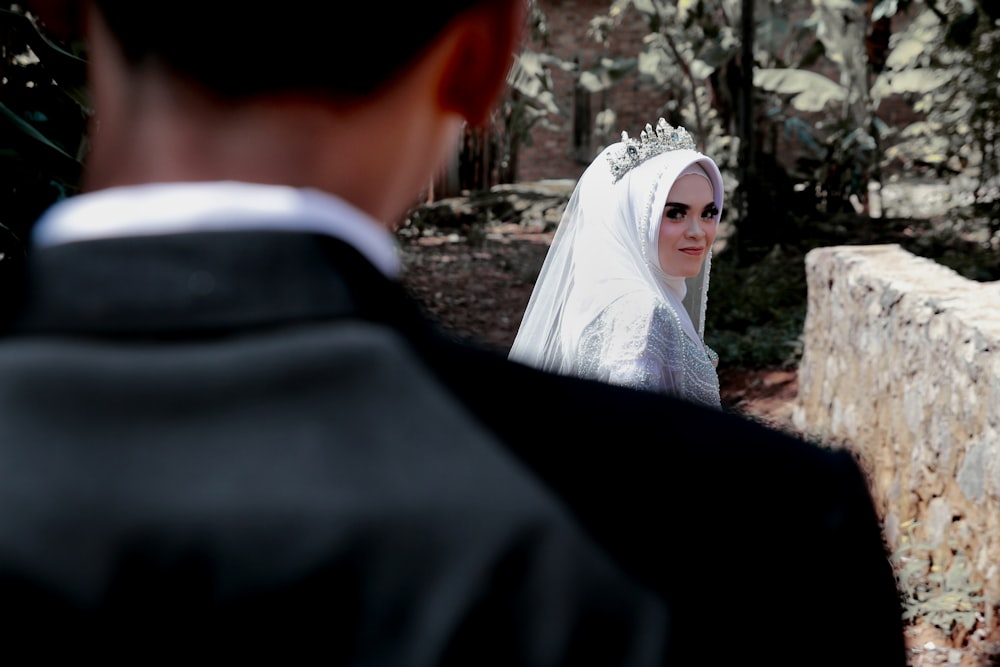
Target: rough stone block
901,362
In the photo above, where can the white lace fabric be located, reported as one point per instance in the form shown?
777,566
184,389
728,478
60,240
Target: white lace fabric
602,308
644,346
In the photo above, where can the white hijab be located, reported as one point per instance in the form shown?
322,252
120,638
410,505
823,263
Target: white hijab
606,247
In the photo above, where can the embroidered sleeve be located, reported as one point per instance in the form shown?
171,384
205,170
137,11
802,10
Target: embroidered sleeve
639,343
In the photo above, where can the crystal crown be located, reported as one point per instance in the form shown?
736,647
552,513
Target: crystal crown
633,152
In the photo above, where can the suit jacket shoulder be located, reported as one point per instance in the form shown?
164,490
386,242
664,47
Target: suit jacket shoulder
263,425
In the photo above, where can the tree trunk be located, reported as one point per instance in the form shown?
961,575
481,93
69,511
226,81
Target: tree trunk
747,172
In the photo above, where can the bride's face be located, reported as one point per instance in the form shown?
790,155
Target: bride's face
688,227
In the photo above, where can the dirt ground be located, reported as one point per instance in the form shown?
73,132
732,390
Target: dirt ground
478,288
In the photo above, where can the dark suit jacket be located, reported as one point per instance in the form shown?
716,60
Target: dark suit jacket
256,440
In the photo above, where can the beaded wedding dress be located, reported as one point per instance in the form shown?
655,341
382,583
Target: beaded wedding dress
602,307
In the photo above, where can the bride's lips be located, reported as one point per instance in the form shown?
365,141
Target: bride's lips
692,251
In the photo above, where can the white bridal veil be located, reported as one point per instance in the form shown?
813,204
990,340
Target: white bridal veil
604,249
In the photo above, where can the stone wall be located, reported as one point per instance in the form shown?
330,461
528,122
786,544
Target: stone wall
901,362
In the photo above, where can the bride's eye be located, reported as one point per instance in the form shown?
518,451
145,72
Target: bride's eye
673,213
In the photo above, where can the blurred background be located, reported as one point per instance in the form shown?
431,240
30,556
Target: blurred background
834,121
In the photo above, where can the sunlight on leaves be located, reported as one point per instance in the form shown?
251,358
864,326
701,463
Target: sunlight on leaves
811,91
884,9
684,7
905,53
912,81
645,6
653,64
594,83
700,69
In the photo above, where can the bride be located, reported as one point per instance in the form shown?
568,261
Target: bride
622,291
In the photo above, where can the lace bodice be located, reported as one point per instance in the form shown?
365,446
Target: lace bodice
638,342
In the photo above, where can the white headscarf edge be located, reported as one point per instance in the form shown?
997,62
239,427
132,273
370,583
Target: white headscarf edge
542,340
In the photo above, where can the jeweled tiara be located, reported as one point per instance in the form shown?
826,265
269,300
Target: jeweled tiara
633,152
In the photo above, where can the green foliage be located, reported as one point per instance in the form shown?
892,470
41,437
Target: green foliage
807,91
43,113
688,47
530,102
822,82
821,86
945,61
758,298
692,52
756,312
945,598
953,49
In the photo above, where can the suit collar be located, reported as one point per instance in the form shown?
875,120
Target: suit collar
190,284
159,209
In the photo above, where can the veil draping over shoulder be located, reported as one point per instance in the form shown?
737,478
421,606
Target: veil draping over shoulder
604,248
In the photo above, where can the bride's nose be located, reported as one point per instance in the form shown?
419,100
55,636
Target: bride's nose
693,229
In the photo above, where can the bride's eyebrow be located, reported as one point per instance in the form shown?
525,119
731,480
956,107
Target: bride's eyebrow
676,204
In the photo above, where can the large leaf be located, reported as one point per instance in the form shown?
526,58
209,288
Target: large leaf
932,150
24,129
684,7
836,5
922,80
920,129
606,73
529,77
921,140
809,91
700,69
885,9
906,53
645,6
654,64
68,69
595,82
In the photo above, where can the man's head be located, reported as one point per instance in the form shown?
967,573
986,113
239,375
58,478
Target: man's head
236,47
240,47
363,100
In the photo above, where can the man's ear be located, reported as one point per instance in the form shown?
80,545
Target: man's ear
484,41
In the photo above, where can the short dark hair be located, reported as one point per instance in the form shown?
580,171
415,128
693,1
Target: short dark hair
246,47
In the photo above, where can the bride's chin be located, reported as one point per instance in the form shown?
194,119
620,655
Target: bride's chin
684,269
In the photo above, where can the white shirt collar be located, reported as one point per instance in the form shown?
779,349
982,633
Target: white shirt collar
171,208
